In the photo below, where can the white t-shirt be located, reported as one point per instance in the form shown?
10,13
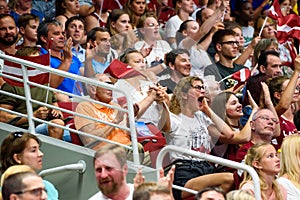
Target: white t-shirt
100,196
189,133
248,32
199,60
293,193
157,53
172,26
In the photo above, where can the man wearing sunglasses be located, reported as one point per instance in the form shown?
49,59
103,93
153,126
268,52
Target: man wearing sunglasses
226,47
24,186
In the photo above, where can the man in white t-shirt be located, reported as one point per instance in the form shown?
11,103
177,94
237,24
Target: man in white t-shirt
110,171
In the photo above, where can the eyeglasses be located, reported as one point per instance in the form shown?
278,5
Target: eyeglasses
199,87
110,83
230,43
267,118
35,192
18,134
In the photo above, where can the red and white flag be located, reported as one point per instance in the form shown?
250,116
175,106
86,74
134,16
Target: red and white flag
34,75
241,75
288,27
275,10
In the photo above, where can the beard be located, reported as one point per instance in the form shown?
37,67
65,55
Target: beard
112,188
9,42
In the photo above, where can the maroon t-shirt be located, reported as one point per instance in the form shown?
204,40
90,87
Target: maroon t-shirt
242,151
287,128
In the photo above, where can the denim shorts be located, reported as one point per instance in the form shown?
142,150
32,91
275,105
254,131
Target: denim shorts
43,129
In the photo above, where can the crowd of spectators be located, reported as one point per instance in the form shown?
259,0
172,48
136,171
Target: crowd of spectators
209,74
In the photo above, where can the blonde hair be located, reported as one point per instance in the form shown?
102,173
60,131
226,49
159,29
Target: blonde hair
15,169
256,153
239,195
290,159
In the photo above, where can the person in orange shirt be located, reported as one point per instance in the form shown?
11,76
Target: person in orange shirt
101,112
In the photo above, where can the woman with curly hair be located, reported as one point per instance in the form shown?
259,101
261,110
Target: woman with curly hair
193,125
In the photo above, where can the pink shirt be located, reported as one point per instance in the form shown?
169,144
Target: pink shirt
248,186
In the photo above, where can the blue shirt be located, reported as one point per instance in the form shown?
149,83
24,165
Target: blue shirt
99,67
80,54
48,8
68,85
16,16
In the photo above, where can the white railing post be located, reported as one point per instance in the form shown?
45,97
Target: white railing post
80,167
27,94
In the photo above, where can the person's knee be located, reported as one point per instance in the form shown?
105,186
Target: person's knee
56,132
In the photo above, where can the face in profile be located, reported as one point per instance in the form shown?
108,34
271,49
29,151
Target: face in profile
31,155
34,189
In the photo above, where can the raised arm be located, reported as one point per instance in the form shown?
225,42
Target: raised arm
219,129
188,42
56,80
286,100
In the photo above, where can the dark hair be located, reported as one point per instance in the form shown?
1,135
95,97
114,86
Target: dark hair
59,9
91,35
113,17
71,19
43,29
230,25
216,189
220,34
255,89
239,4
128,9
262,59
24,19
14,143
184,25
124,56
6,15
297,120
14,184
218,105
275,85
171,56
199,15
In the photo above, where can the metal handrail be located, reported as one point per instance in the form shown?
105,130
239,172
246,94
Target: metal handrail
80,167
31,119
210,158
